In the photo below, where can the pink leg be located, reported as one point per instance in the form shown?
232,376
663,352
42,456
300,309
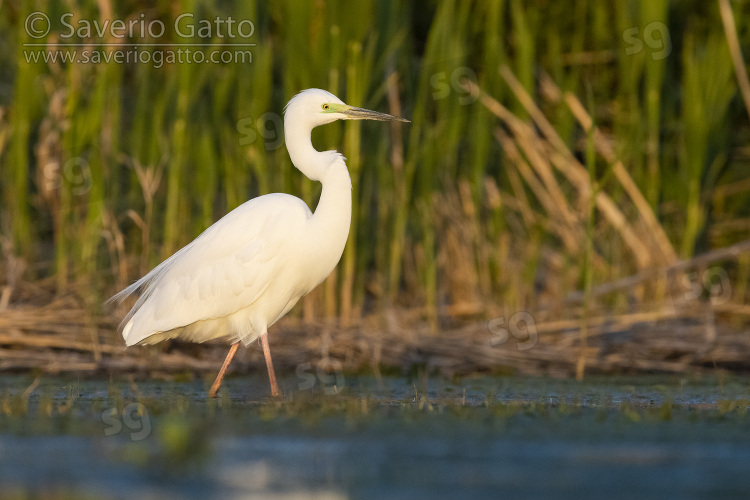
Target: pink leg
269,365
217,382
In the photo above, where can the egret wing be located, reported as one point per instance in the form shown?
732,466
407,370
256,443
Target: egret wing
224,270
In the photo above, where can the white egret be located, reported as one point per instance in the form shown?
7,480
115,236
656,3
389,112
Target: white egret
247,270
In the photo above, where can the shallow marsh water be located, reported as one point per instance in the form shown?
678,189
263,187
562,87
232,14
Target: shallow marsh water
362,437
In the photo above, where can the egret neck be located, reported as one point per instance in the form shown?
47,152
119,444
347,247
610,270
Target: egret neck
332,217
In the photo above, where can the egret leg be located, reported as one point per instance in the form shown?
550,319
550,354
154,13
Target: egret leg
269,365
217,382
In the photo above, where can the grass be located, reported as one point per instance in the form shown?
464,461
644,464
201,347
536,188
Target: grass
109,168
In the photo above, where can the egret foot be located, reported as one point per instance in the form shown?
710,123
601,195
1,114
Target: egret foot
217,382
269,364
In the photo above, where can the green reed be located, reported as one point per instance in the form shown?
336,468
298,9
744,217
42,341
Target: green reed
164,152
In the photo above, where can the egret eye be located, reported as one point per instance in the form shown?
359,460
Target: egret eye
325,107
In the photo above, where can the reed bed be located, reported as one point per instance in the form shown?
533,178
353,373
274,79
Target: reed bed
574,163
58,338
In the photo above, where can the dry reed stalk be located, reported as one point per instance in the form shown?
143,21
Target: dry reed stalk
533,149
58,342
732,251
514,155
605,149
727,18
662,340
394,108
551,196
519,201
572,169
735,309
481,248
14,269
456,254
620,321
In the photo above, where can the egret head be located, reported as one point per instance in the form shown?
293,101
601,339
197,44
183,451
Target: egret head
317,107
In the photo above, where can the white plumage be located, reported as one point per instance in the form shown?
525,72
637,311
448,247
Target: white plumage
252,266
206,290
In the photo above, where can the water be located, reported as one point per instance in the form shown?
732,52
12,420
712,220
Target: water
360,437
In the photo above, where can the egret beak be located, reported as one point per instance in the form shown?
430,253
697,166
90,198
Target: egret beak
353,113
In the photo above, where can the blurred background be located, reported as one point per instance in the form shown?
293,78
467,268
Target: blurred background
573,192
